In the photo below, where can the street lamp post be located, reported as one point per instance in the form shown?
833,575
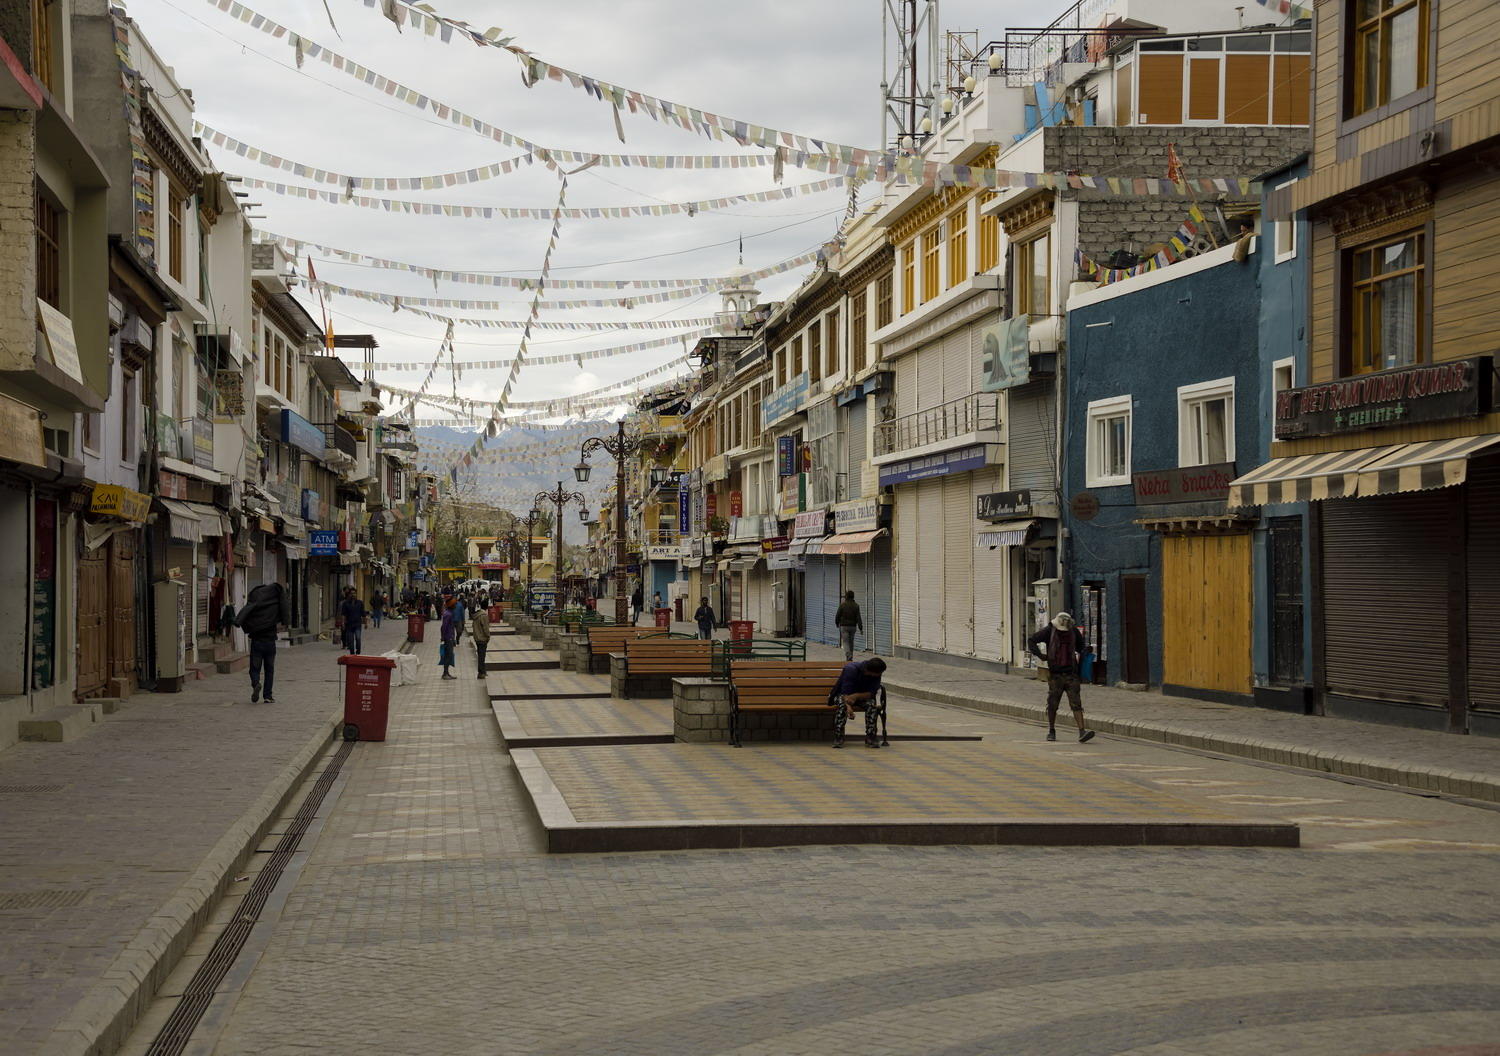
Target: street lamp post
529,521
560,497
621,447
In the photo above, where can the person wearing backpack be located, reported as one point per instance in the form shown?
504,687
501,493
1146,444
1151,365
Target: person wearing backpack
1065,651
266,609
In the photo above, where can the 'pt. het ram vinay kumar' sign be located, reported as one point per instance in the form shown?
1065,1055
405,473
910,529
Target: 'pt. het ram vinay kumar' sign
1404,396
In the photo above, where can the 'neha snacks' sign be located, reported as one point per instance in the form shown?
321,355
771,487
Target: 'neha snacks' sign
1458,389
1187,484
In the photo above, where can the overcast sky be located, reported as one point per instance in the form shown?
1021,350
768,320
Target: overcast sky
807,66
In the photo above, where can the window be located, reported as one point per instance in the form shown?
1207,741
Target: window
1285,233
796,356
48,221
831,344
1033,270
958,247
176,254
1205,423
989,244
127,418
41,43
91,431
1389,46
1388,303
857,330
1108,442
932,242
908,278
883,300
815,351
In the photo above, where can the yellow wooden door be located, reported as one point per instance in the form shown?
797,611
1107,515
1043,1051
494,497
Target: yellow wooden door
1206,611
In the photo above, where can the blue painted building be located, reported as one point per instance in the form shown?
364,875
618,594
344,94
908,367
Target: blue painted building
1164,402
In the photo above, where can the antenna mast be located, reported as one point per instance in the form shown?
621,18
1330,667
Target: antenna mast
909,71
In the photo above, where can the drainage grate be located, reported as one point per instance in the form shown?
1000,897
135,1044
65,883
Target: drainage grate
467,715
199,993
40,899
23,789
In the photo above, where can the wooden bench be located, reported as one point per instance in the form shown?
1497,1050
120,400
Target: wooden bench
611,639
782,686
657,655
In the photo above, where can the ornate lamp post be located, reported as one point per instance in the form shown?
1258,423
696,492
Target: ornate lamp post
560,497
529,521
621,447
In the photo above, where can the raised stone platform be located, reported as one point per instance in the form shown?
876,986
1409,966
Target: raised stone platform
700,715
564,723
679,797
545,685
520,660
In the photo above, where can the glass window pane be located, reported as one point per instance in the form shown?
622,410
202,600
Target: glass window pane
1039,261
1398,255
1397,322
1403,53
1371,87
1215,431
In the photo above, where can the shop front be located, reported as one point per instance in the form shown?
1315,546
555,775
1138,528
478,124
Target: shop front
107,591
821,577
862,543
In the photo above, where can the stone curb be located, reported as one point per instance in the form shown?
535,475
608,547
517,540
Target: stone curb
100,1022
1384,771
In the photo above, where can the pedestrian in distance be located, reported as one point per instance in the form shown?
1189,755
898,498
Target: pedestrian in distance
1065,650
448,635
848,620
267,608
637,599
704,618
377,608
461,619
859,689
352,620
479,629
655,600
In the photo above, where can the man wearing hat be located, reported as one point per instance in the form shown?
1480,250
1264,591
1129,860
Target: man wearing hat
1065,649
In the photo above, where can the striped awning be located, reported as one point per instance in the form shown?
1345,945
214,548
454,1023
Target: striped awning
852,542
1005,533
182,521
1363,472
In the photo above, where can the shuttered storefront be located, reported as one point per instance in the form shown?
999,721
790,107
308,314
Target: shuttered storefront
1484,585
822,586
1031,431
990,579
1385,589
958,565
928,496
907,586
878,626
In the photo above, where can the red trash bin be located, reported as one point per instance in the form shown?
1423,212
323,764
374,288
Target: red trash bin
416,627
741,631
663,618
497,613
367,696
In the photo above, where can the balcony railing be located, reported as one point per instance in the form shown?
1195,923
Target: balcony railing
972,414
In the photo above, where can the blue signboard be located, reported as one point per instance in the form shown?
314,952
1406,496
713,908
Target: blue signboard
960,461
310,502
323,541
785,401
684,522
299,432
786,456
414,539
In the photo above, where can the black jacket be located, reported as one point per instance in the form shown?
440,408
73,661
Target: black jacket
1044,637
705,614
265,608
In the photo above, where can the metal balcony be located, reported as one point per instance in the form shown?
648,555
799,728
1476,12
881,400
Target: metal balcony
977,413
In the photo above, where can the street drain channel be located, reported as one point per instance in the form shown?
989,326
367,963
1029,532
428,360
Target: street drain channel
200,990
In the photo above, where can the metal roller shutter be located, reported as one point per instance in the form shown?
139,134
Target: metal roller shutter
927,377
958,364
857,449
1484,584
958,565
878,616
906,385
991,589
822,599
930,600
907,579
1384,591
1031,436
857,579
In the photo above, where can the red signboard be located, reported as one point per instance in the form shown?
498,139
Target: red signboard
711,504
171,485
736,504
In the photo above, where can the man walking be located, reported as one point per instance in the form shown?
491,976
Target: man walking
480,629
377,607
848,620
1065,649
266,609
705,619
859,687
448,635
352,619
637,600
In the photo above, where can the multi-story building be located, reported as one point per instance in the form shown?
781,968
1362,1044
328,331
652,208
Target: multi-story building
1390,435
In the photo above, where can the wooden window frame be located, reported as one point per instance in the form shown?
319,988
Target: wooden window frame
830,344
858,330
1100,412
49,221
1357,31
989,244
815,351
43,54
176,247
1022,255
958,247
931,242
885,291
1190,446
1353,360
1352,119
908,277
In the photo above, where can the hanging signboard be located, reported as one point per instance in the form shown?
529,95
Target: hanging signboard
21,433
1431,393
684,511
1185,484
120,502
1003,505
785,401
1006,358
57,330
809,525
786,456
736,504
300,433
323,542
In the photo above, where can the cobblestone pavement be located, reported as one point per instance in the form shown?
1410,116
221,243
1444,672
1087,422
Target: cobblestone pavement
103,833
428,920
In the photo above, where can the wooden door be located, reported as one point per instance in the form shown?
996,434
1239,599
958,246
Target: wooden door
93,622
122,606
1133,640
1206,611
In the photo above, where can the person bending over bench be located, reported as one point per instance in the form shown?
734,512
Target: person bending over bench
859,687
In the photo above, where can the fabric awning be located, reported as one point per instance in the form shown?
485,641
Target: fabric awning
744,564
292,526
349,557
800,546
1363,471
182,522
295,551
213,521
1004,533
852,542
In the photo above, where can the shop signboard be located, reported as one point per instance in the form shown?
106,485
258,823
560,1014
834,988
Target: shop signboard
711,505
785,401
861,515
1006,357
775,544
171,485
310,504
1004,505
21,433
684,510
736,504
120,502
323,542
1183,484
413,539
941,465
62,347
786,456
302,434
229,386
203,443
1404,396
809,525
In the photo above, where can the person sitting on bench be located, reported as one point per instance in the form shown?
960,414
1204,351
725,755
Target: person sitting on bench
859,686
